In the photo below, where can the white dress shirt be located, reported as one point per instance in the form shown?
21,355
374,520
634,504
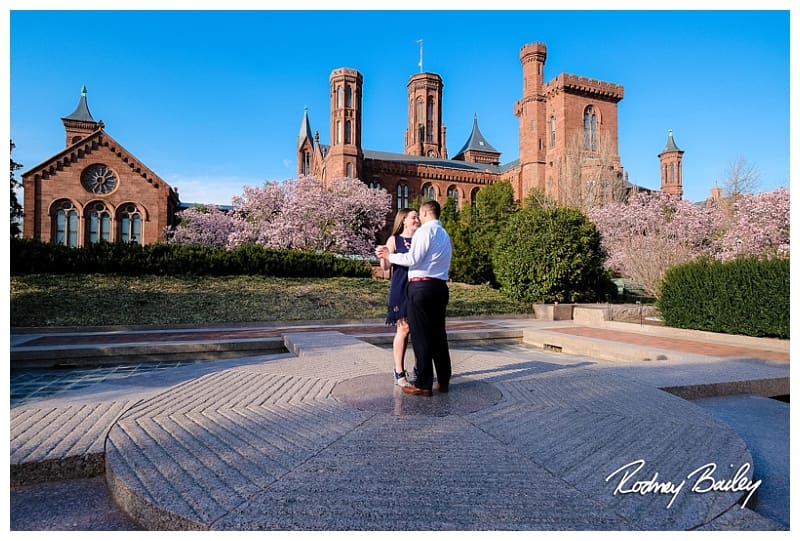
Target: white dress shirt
430,252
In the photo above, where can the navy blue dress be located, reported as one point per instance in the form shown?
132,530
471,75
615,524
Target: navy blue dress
399,285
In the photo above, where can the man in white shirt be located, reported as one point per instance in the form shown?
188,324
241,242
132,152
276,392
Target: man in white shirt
428,262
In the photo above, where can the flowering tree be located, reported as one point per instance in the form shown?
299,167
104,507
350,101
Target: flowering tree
206,225
342,216
652,232
759,226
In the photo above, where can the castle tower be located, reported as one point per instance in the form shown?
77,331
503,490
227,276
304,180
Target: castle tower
80,123
345,155
425,135
671,168
532,122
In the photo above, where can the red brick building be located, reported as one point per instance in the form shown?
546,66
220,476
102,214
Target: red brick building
568,142
95,190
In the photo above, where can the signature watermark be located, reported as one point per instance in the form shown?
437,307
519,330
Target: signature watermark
631,480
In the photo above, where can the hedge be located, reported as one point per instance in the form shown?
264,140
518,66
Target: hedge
34,257
748,296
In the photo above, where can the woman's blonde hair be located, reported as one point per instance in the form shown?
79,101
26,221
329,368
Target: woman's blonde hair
397,228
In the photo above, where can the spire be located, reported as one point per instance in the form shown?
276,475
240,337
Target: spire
671,146
476,141
81,112
305,130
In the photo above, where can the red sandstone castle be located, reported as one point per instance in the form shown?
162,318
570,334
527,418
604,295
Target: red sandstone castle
568,143
95,190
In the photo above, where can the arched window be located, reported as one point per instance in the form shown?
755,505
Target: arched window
672,173
339,97
552,132
348,96
65,223
306,163
98,223
375,184
590,129
473,197
339,132
130,224
452,193
428,192
402,196
418,118
348,170
348,138
429,122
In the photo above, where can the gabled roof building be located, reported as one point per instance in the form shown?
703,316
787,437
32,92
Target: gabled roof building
95,190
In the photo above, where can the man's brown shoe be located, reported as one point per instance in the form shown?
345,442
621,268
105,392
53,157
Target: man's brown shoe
413,389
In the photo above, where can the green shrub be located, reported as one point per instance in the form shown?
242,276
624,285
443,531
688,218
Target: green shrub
34,257
551,255
747,296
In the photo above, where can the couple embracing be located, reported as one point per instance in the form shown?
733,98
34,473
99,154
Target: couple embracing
420,261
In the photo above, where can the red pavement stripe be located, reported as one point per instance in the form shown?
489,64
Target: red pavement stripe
675,344
233,334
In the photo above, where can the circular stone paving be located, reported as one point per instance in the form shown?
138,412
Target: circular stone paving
377,393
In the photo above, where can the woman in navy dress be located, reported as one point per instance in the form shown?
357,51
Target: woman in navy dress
405,223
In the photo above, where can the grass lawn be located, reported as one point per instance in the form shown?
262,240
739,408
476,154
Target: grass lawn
49,300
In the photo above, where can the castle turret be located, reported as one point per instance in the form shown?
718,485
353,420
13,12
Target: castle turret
345,155
671,159
532,121
425,135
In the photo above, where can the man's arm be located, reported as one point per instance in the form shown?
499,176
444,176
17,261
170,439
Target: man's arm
385,265
420,243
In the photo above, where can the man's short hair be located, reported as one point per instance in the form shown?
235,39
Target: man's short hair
433,206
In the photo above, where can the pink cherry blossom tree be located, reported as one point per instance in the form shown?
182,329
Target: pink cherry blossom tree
341,216
654,231
206,225
759,226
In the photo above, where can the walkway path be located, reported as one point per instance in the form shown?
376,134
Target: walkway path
316,436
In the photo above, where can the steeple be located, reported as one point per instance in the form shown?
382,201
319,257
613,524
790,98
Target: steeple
305,147
477,149
305,130
80,123
670,146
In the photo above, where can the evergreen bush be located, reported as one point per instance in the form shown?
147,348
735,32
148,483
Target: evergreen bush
748,296
551,255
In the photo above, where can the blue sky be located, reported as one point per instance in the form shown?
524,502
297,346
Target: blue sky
213,100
